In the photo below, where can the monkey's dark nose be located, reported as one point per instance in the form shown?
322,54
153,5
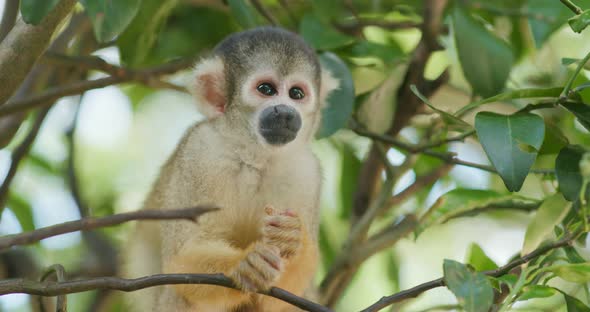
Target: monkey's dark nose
279,124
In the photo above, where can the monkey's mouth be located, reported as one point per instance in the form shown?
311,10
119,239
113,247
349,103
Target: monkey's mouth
278,136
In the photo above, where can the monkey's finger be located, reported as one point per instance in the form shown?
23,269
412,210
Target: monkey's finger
282,221
281,234
266,269
270,210
269,254
290,213
247,278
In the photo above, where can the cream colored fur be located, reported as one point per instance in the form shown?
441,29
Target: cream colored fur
213,164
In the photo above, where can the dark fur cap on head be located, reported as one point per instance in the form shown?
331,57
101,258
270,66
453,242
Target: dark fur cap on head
273,47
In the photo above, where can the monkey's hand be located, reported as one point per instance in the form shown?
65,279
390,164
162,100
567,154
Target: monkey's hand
260,269
283,230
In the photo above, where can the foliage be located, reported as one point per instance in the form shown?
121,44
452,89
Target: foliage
532,124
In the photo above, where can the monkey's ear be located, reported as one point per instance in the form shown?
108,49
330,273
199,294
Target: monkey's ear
328,84
208,87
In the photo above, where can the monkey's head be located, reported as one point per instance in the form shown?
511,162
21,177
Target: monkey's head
266,82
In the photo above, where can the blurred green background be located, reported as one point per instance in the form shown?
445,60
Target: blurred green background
123,133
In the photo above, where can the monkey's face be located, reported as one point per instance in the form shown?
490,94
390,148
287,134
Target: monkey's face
281,105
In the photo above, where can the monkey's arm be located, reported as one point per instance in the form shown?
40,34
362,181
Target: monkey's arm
297,277
254,268
198,256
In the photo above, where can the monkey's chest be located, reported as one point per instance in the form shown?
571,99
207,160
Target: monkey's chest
251,190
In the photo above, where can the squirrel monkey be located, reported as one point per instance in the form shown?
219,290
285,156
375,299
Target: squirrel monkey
262,92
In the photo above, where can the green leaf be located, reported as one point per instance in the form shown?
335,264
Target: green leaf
110,17
33,11
453,122
568,61
322,36
190,31
515,94
478,259
376,109
136,43
509,280
536,291
576,272
340,102
574,305
567,170
486,60
543,28
22,211
245,14
472,289
581,111
573,255
550,213
465,202
387,53
580,21
327,9
511,143
554,139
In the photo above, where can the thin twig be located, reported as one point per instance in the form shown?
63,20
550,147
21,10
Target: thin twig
264,12
285,5
191,214
97,63
387,237
570,5
439,282
447,157
370,173
83,61
19,154
60,275
419,184
23,286
459,138
47,97
506,11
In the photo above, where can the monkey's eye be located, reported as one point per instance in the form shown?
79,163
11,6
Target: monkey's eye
296,93
266,89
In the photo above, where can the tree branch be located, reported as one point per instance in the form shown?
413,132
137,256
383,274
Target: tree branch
23,286
344,266
19,154
191,214
447,157
439,282
419,184
9,16
60,275
430,28
47,97
371,169
24,44
42,76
